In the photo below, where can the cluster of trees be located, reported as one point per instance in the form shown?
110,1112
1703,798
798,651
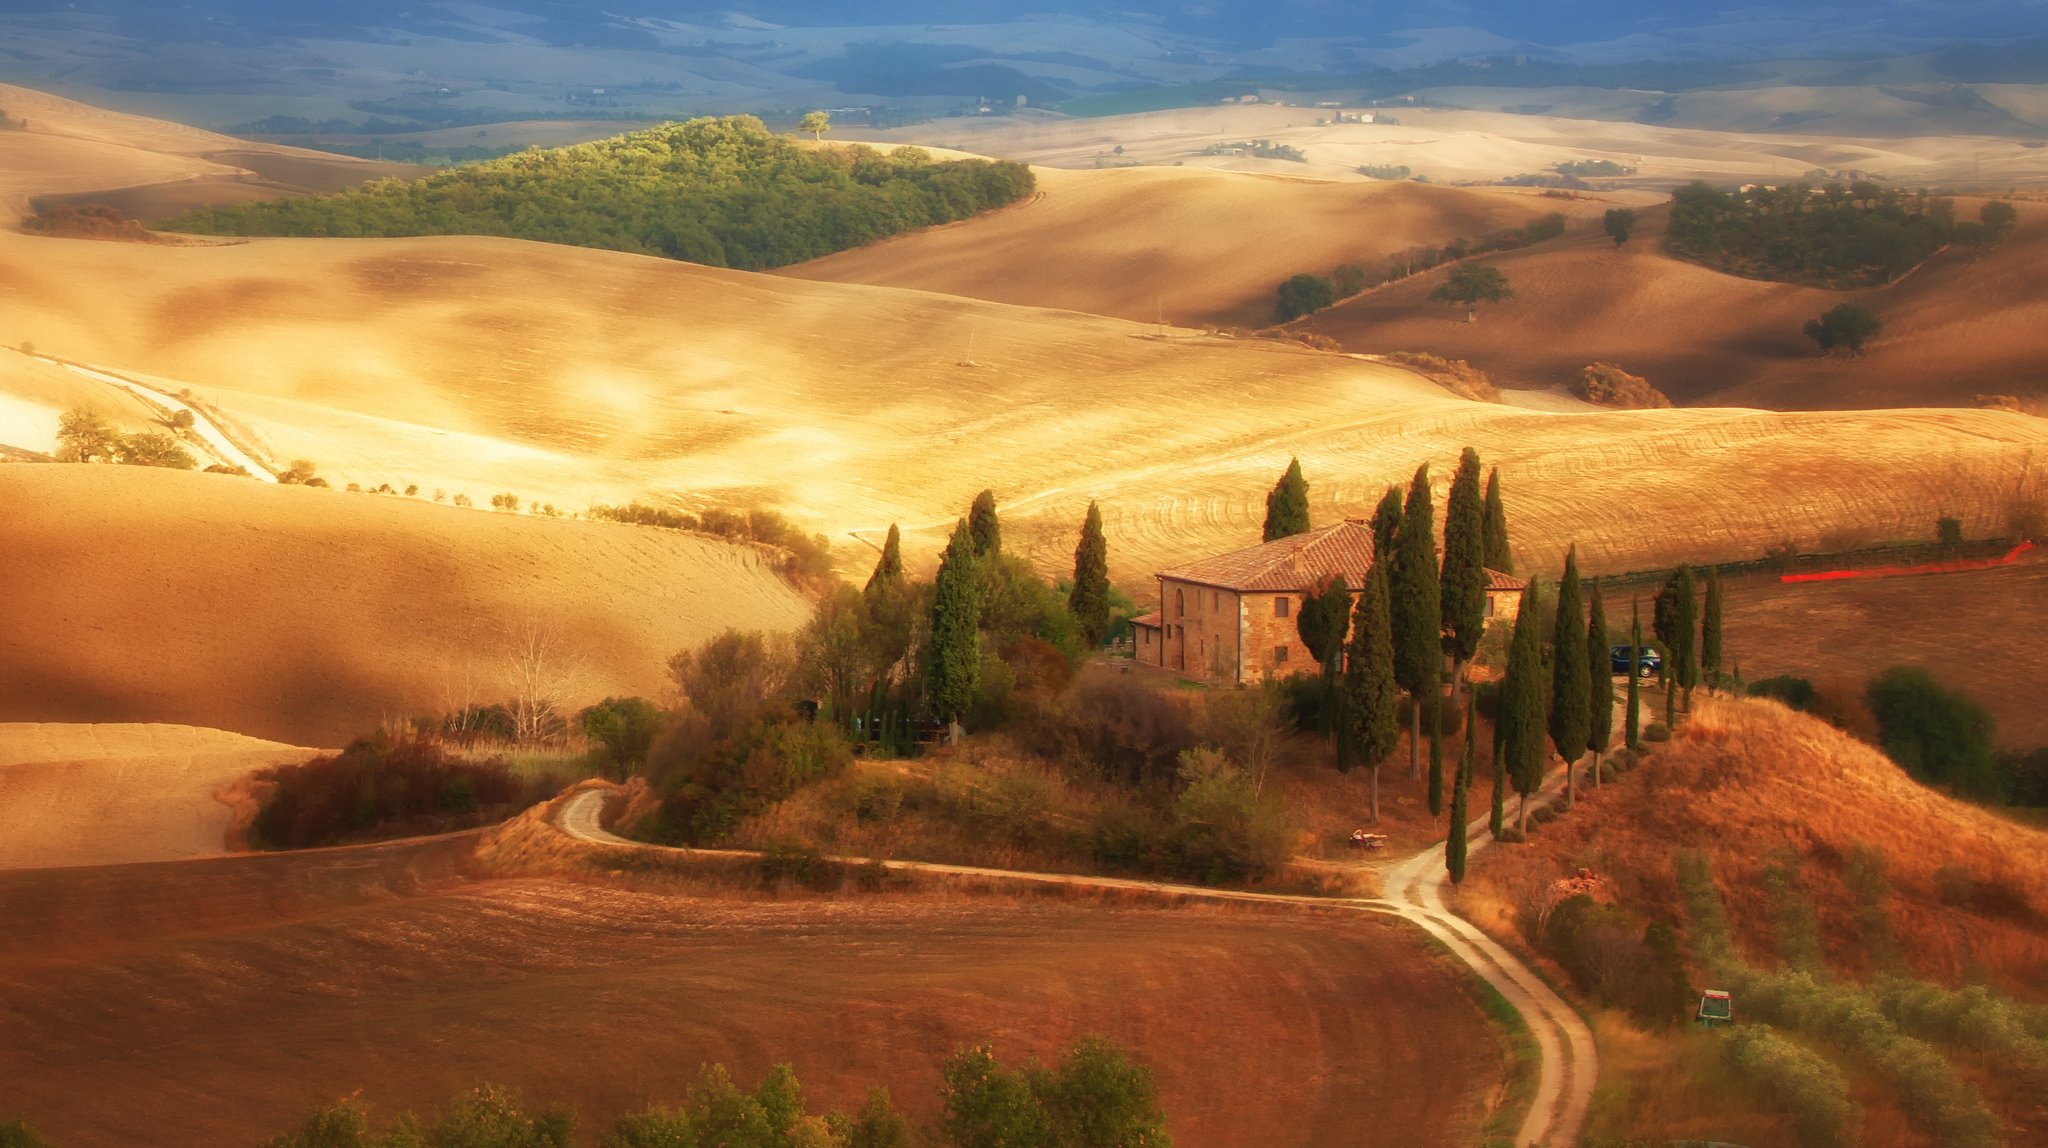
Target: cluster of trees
1609,386
85,221
85,436
1263,149
1096,1096
1848,325
719,191
1384,171
810,555
384,787
1306,294
1835,236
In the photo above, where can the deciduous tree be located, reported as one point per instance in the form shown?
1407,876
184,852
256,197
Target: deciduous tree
1846,325
1619,222
817,123
1472,284
1287,504
1089,599
1304,295
1569,691
1417,610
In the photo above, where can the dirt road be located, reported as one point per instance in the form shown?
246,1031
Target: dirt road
1569,1065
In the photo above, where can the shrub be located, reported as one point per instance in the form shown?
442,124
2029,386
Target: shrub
1845,325
16,1134
1121,729
1454,375
1656,731
799,863
1614,960
1609,386
1798,693
1938,735
1798,1082
383,787
505,501
1224,829
299,473
1127,836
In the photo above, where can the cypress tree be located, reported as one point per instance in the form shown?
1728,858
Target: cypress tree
1089,599
955,668
1464,569
1370,724
1417,611
1386,523
1685,646
1600,682
1287,504
1498,555
1521,704
1454,839
983,526
1632,735
889,567
1496,821
1436,769
1569,691
1710,630
1324,618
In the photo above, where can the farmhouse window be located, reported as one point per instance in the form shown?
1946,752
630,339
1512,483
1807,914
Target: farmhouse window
1280,606
1489,605
1280,652
1180,603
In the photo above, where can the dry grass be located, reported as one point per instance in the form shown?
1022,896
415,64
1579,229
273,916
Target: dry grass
312,616
1746,778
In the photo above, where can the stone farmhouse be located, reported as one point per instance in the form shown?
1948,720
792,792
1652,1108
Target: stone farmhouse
1232,619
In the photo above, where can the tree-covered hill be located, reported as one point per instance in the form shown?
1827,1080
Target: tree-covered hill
724,192
1838,236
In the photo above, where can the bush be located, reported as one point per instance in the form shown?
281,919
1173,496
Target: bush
1224,829
1121,729
1845,325
623,729
1798,693
798,862
1128,837
1798,1082
1616,961
1656,731
1938,735
1607,385
16,1134
383,787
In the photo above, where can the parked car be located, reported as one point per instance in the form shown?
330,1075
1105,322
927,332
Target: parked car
1618,659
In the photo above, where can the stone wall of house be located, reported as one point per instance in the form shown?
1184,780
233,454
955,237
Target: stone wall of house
1273,648
1503,606
1200,623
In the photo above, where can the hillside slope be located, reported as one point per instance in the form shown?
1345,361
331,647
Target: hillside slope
309,616
1186,244
573,376
1963,324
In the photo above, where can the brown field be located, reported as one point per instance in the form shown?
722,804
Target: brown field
1192,245
223,999
1965,323
308,616
1744,778
1976,632
110,794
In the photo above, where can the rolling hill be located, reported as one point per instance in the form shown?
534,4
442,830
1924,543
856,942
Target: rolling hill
1188,245
309,616
1967,322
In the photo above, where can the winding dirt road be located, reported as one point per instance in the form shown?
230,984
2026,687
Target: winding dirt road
1568,1064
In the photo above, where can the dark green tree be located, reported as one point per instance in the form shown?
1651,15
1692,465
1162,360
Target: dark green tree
1632,733
1938,735
1619,221
1599,681
1386,522
624,728
1287,504
1304,295
889,567
1323,620
1369,720
1472,284
1099,1095
985,1105
1089,599
984,527
1497,820
1710,630
1498,555
1417,611
1464,570
1521,704
1455,845
1998,217
1569,692
1846,325
954,671
1685,641
1436,769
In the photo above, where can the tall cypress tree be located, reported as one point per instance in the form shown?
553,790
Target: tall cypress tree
1417,612
1710,630
1569,691
1632,735
1599,682
1498,554
888,568
1521,704
1497,820
955,667
1370,726
1089,599
982,525
1455,846
1685,643
1324,619
1436,769
1464,569
1386,523
1287,504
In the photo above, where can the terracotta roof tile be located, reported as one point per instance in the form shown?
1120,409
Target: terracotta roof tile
1289,564
1495,580
1148,620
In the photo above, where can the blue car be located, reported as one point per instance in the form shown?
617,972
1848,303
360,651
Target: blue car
1618,659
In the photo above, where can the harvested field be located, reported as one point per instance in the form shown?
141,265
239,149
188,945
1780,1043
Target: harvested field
305,977
108,794
1976,632
310,616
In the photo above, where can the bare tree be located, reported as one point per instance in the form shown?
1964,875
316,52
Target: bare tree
543,672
